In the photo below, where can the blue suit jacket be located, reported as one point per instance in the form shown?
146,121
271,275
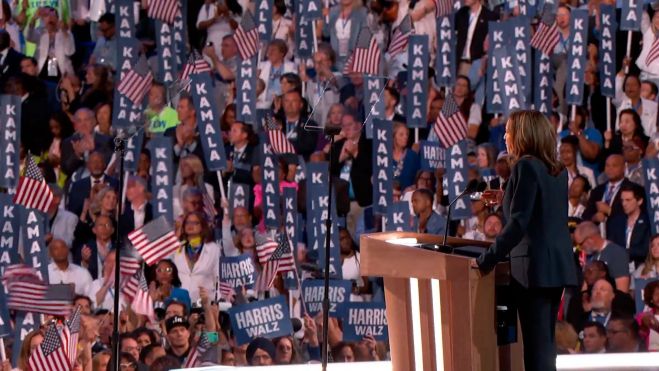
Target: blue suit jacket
640,239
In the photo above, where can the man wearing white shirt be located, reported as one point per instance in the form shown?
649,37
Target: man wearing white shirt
101,290
61,271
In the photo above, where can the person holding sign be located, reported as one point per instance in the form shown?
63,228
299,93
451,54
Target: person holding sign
536,234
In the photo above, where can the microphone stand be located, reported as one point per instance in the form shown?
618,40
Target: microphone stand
331,131
468,190
120,149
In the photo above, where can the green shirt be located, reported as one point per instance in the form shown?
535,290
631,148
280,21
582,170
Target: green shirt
158,123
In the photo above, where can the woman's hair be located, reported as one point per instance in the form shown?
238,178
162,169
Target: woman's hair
398,126
224,123
206,234
197,168
24,355
648,294
103,82
336,349
650,261
491,152
533,135
638,130
176,281
281,45
295,356
150,333
96,202
66,126
96,361
465,107
566,337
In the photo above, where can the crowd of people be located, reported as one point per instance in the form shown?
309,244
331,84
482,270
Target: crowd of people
67,81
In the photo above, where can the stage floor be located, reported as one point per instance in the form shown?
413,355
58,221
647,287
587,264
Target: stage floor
595,362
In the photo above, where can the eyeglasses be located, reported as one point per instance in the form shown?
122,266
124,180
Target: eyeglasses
192,222
165,270
127,365
104,225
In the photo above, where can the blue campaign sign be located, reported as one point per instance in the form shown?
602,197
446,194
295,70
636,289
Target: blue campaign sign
162,179
431,155
543,82
304,38
5,320
167,56
383,169
418,56
124,18
125,113
238,271
239,195
180,30
639,285
520,28
26,322
576,57
246,91
313,292
207,119
445,61
270,187
374,101
398,218
264,10
10,224
310,9
493,94
10,129
631,15
34,241
509,81
363,319
133,151
651,171
607,50
291,216
457,173
263,318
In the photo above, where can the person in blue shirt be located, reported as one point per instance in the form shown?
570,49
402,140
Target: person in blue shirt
590,140
426,220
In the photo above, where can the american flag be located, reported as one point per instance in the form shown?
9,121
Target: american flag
197,351
443,7
366,56
33,191
154,241
135,86
136,292
29,293
50,355
401,37
209,204
247,37
277,139
226,290
451,125
281,260
653,54
546,36
265,250
129,264
70,335
195,64
164,10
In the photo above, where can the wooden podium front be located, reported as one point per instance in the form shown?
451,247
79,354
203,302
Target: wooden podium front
433,298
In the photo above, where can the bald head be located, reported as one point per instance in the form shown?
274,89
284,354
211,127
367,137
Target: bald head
615,168
59,251
602,295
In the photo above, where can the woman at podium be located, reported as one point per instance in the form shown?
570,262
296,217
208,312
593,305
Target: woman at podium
535,236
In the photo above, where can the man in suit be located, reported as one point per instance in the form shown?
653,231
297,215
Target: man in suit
138,211
91,254
35,132
240,154
10,59
84,141
61,223
303,140
471,24
633,230
604,204
185,134
81,189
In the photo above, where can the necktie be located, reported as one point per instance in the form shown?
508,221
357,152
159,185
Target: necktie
609,193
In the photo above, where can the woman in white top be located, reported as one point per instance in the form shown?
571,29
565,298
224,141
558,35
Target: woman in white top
350,263
650,268
628,95
55,46
198,259
214,18
282,27
271,70
190,175
101,290
646,62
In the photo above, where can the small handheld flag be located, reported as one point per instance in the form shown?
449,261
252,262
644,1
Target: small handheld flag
33,191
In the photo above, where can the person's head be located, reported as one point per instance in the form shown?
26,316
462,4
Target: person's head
462,86
128,344
602,296
563,16
566,337
632,199
106,25
167,273
530,133
136,191
59,251
84,121
285,352
192,200
594,337
157,97
391,98
334,115
652,260
175,309
346,242
246,239
185,109
350,126
486,155
165,363
422,201
579,187
649,89
228,47
191,167
178,335
241,218
401,135
622,334
594,271
632,86
150,353
29,66
144,337
84,302
630,123
568,150
195,225
96,164
292,103
260,352
103,114
128,362
228,358
290,81
633,150
651,295
104,203
101,360
343,352
587,235
98,76
492,226
240,133
324,57
614,168
277,51
425,179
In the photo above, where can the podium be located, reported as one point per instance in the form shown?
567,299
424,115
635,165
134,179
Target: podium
439,311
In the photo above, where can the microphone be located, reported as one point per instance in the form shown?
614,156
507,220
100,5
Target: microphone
472,187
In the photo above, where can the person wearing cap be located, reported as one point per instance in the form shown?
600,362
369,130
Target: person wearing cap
261,352
178,337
